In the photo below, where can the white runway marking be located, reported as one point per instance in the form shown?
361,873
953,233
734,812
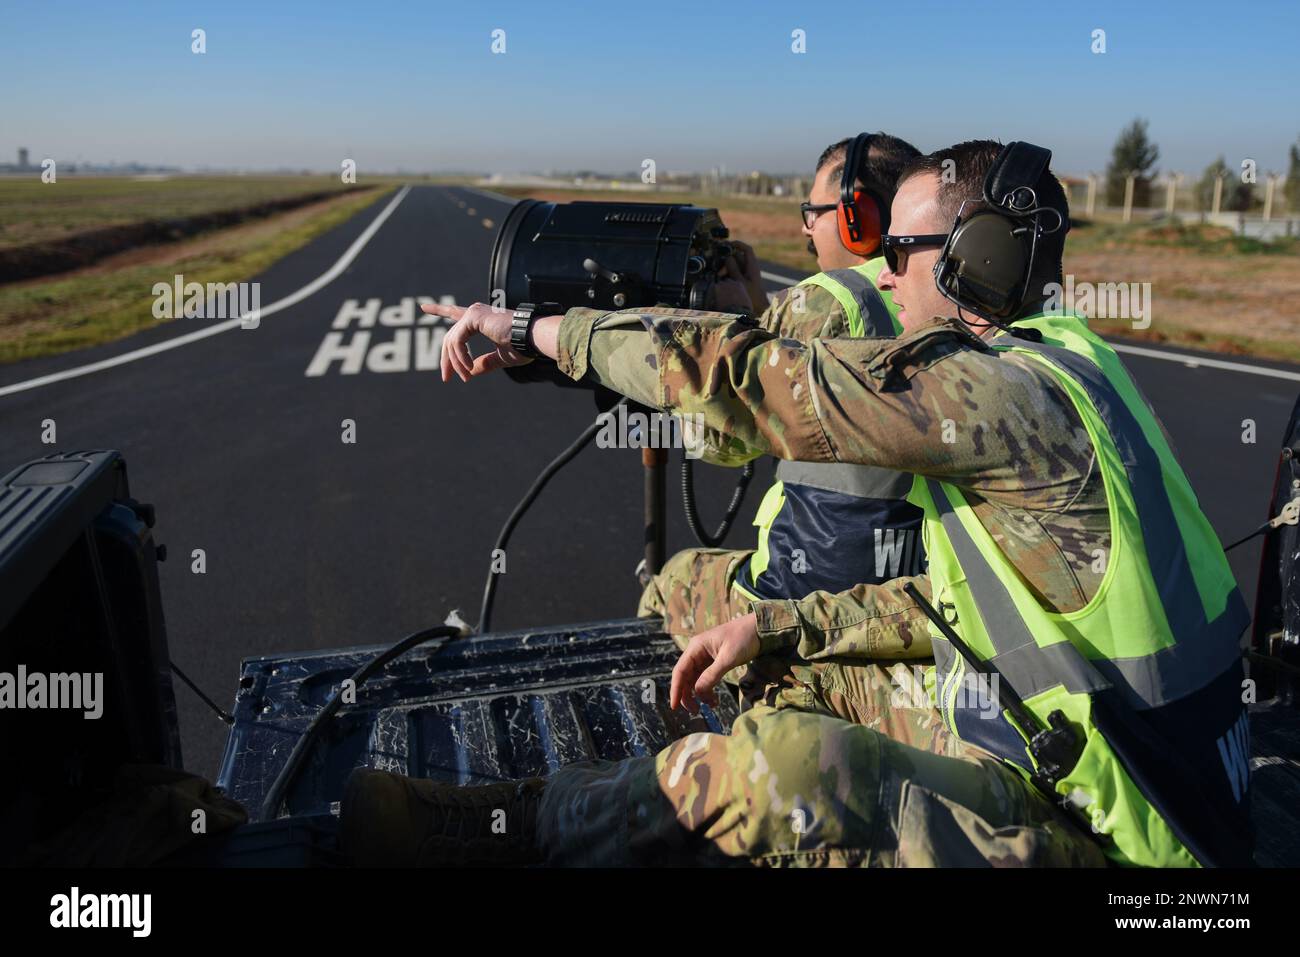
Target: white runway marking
1193,362
293,298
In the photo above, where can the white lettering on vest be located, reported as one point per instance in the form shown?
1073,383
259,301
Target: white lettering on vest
1234,750
889,550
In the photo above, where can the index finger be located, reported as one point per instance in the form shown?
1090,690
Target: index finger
446,310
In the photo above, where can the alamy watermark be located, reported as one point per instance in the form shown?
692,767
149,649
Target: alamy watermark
1105,300
77,910
36,690
974,692
215,300
658,430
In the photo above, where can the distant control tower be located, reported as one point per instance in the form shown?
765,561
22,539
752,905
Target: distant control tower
22,157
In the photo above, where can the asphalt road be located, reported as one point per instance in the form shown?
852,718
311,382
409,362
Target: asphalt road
312,542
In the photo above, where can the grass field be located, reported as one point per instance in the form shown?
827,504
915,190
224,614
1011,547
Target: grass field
113,297
1210,289
34,212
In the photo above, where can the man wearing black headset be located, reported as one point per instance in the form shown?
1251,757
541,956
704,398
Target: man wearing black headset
1085,623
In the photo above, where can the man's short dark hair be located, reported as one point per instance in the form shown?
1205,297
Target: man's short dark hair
885,159
961,170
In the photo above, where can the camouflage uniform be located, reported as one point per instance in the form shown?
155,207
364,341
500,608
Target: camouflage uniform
838,665
696,589
936,402
793,788
800,787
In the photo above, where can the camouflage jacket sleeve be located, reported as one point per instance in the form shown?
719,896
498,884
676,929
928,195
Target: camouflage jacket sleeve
799,312
868,621
936,401
805,312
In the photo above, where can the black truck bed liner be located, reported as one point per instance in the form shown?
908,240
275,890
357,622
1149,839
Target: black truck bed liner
478,709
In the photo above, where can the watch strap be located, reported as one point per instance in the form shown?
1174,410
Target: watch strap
521,325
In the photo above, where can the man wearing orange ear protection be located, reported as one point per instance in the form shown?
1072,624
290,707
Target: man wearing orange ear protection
828,536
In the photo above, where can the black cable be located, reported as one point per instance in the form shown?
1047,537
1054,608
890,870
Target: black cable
223,715
1241,541
275,796
692,516
534,490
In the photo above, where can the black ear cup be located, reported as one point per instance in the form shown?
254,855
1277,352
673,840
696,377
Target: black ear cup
986,262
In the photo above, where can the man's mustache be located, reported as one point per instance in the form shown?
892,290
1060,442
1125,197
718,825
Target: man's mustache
812,248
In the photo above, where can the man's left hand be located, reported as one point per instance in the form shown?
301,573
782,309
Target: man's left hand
492,323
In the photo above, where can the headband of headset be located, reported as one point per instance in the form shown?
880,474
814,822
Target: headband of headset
1018,167
860,225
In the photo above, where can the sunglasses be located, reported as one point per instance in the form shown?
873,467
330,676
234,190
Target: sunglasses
810,212
896,248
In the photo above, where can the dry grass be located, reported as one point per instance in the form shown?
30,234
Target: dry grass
1210,289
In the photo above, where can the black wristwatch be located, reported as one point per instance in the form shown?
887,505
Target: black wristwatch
521,326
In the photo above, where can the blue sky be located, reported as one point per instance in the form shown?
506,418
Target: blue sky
603,86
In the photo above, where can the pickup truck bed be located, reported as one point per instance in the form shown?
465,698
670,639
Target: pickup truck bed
78,561
522,703
478,709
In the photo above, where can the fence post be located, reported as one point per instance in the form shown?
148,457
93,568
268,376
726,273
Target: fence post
1128,196
1268,195
1091,204
1171,196
1218,194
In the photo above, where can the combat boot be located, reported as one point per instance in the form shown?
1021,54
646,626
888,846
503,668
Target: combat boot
390,820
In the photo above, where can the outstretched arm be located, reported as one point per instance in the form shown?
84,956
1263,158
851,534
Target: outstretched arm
937,401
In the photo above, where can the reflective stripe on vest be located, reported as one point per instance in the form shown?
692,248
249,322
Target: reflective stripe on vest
865,308
1203,647
1029,668
1159,637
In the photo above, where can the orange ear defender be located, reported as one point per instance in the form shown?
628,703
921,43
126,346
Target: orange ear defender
858,216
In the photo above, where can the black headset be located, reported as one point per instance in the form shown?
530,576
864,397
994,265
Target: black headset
986,263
